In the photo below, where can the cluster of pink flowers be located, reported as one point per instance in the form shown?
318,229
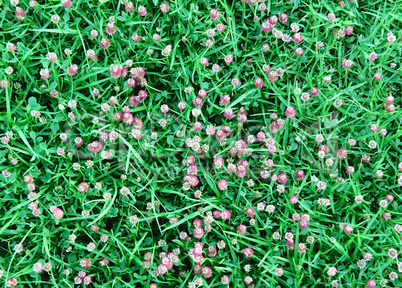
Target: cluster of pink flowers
82,277
303,218
346,63
104,43
91,54
85,263
12,282
58,213
134,101
38,267
389,104
248,252
4,84
95,147
66,3
196,255
72,70
347,31
167,262
111,28
83,187
20,14
191,179
209,42
138,74
33,206
119,71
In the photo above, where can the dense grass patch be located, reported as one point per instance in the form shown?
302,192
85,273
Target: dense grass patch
200,143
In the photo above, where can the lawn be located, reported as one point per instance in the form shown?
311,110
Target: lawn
250,144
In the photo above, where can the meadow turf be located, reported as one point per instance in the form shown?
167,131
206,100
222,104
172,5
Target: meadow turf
200,143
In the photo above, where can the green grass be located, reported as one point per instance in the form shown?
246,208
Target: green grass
153,168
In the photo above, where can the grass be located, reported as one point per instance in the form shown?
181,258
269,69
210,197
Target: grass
79,193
